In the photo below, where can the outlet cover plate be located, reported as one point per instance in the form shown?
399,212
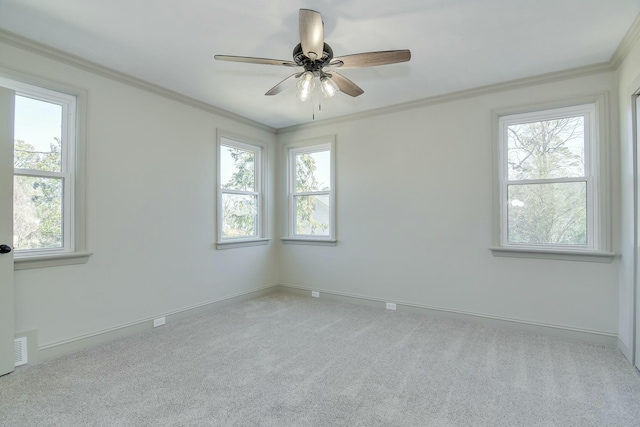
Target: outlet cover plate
315,294
391,306
159,321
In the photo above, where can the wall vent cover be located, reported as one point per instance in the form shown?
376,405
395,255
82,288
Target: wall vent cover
20,351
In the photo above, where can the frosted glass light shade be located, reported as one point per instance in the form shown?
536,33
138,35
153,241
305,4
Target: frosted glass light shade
328,86
305,86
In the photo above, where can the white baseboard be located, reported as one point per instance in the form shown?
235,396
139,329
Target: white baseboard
626,351
42,353
38,354
576,334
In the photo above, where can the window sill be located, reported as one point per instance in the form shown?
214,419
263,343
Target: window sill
241,243
303,241
557,254
53,260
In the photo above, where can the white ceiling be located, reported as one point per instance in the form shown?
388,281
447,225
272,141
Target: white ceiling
455,44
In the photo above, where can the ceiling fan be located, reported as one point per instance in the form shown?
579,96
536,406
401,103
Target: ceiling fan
313,54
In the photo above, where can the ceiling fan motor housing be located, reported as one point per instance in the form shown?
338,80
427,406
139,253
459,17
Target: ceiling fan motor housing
315,66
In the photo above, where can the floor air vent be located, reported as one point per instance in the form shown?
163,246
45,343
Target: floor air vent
20,351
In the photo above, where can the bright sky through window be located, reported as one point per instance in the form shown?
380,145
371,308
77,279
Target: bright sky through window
47,116
322,174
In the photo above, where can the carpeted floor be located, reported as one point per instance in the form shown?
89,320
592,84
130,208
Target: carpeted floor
285,360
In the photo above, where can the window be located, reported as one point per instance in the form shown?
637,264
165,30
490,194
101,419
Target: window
549,181
311,187
240,195
48,221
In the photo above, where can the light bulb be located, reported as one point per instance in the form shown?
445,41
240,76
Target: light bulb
305,86
328,86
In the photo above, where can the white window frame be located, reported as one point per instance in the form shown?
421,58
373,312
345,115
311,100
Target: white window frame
593,109
73,103
304,147
260,164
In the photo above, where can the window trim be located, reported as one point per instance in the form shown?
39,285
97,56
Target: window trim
310,146
596,176
77,252
261,150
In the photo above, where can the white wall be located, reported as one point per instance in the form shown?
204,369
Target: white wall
150,183
151,215
629,83
415,217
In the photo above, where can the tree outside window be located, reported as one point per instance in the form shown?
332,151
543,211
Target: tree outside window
312,193
311,190
240,188
547,187
42,210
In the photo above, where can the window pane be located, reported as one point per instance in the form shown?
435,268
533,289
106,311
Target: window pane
237,169
239,215
313,171
312,215
38,135
548,213
546,149
37,212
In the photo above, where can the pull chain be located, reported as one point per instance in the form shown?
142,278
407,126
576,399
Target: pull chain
319,99
315,97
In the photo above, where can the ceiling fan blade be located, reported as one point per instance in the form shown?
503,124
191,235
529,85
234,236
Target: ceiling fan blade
251,60
311,33
345,85
281,86
371,59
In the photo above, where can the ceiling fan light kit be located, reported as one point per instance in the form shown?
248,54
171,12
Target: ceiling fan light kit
306,85
313,54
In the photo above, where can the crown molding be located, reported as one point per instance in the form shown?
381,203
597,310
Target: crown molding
463,94
29,45
630,38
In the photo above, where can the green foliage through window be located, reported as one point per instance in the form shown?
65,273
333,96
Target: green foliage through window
239,195
312,211
37,200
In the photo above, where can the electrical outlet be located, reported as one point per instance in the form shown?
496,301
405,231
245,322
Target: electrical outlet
391,306
315,294
159,321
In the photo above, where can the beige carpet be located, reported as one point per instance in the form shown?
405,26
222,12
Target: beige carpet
285,360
